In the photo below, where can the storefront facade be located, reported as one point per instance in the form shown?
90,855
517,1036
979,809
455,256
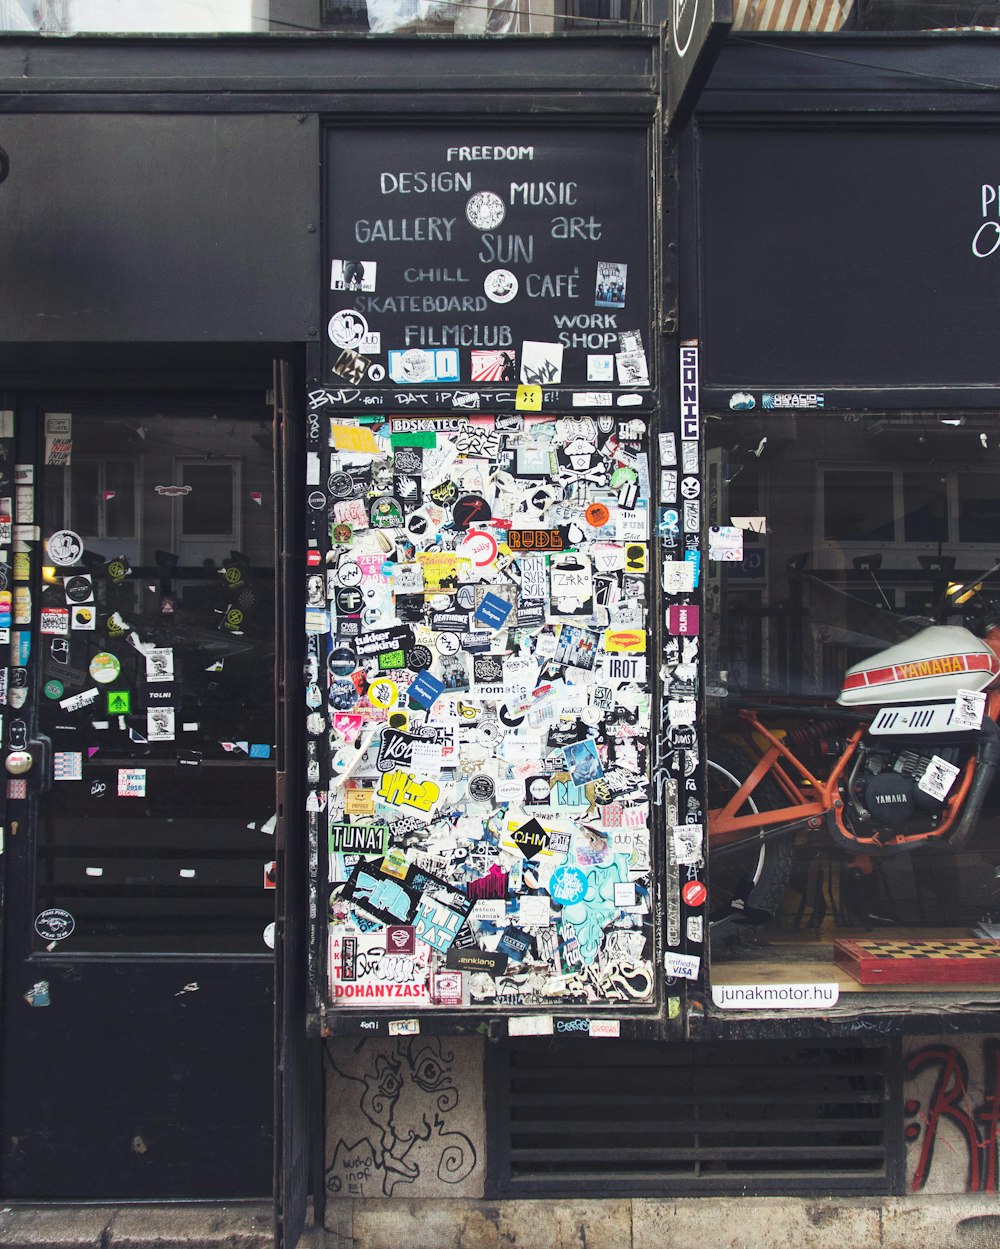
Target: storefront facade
602,460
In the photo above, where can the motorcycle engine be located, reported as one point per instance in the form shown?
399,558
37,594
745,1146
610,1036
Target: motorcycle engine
885,788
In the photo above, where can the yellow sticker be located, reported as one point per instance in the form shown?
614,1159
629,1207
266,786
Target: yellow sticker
400,789
528,399
353,438
635,557
22,605
359,801
396,863
383,693
22,565
624,641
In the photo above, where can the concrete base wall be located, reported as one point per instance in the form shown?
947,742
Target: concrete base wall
692,1223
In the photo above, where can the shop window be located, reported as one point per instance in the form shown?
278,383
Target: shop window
465,17
853,750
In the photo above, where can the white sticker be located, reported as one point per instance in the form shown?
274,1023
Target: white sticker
775,996
682,966
969,709
938,778
687,840
530,1025
682,711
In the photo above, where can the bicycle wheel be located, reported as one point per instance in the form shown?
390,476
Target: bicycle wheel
757,874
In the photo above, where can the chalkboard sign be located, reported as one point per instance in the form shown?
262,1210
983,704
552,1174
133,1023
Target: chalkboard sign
864,256
470,257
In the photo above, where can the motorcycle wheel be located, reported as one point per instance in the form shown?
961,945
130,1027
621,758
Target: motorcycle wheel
758,874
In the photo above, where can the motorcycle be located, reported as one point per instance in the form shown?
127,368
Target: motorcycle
900,761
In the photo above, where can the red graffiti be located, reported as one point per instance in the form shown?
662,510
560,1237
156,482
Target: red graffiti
951,1100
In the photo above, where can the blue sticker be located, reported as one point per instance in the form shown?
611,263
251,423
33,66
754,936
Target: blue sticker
21,648
493,610
515,943
260,750
424,690
694,557
567,886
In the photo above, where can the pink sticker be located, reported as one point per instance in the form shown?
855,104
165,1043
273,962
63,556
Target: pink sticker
683,620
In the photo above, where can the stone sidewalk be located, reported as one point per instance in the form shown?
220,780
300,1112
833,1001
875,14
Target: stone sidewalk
208,1226
640,1223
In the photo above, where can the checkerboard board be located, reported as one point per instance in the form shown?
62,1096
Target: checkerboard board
969,960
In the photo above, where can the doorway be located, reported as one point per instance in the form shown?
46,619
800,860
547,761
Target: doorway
139,864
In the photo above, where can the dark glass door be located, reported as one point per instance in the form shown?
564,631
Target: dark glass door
140,880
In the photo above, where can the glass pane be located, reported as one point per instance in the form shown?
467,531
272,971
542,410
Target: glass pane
850,801
85,488
119,499
208,509
494,17
925,507
157,665
858,506
978,507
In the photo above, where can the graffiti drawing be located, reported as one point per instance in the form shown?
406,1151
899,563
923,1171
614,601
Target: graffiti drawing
971,1108
407,1094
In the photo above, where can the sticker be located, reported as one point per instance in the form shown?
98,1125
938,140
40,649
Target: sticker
970,707
84,617
528,398
131,782
415,365
38,994
682,966
383,693
694,893
683,620
775,996
67,765
485,210
353,275
500,286
612,279
493,366
347,328
541,363
51,620
104,668
54,924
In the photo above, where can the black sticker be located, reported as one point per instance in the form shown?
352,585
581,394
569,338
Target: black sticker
419,658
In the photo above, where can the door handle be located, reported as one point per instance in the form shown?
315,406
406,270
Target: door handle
35,758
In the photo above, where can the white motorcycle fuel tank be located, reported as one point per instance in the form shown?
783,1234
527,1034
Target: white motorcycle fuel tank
934,664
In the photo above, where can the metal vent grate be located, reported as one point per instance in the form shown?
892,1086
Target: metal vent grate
733,1117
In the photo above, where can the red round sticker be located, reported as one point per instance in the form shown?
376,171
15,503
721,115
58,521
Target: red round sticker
597,515
480,547
694,893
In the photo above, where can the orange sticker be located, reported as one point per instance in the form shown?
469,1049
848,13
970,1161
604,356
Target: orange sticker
597,515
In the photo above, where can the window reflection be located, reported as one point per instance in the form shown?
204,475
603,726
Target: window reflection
462,17
154,835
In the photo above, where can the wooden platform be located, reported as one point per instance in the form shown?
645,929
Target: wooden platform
808,957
